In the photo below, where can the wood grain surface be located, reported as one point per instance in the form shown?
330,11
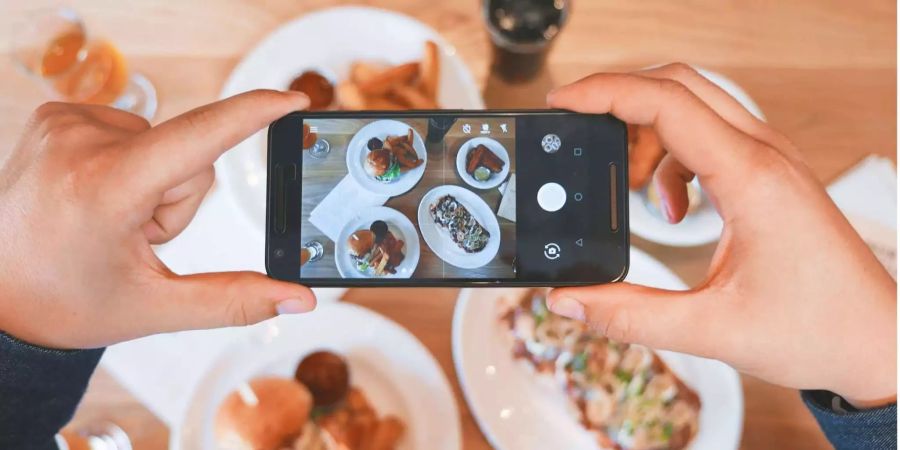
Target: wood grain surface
824,73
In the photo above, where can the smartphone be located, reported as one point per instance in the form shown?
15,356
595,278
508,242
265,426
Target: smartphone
447,198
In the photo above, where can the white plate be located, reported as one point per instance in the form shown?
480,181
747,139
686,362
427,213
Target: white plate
398,224
329,40
438,238
493,146
396,372
516,409
357,152
702,226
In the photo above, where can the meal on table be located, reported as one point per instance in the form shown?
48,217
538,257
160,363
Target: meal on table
374,86
376,251
464,229
388,159
624,394
318,409
482,163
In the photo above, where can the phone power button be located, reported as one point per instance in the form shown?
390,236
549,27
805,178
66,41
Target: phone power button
551,197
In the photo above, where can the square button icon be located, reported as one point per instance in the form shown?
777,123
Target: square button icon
577,151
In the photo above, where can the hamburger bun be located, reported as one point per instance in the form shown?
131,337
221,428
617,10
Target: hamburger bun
360,242
379,161
270,421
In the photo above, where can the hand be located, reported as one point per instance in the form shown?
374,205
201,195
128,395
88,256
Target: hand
85,194
792,295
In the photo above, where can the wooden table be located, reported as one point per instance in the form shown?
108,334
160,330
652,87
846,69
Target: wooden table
321,176
823,72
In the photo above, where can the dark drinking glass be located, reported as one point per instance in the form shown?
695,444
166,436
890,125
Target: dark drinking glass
437,129
522,31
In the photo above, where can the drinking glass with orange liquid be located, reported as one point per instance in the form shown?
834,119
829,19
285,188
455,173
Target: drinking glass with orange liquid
53,46
312,251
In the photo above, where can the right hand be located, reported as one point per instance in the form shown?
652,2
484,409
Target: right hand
792,295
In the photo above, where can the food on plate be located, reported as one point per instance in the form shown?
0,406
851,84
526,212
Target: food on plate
624,393
266,413
412,85
464,229
482,163
382,165
645,151
327,377
319,90
274,413
388,159
309,138
376,251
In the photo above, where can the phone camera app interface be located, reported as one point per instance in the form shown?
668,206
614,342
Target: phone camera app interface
426,198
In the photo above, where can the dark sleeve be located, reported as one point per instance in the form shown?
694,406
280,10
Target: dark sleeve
849,428
39,391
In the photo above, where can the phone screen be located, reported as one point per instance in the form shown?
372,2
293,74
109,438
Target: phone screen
502,198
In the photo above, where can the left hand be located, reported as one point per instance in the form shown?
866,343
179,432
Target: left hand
84,195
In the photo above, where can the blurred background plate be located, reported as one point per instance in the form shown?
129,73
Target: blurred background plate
394,370
701,226
329,41
517,410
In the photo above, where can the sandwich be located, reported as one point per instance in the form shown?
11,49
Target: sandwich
382,165
268,413
376,249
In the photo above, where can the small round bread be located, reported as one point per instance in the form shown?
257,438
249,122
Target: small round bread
281,410
360,242
378,162
327,377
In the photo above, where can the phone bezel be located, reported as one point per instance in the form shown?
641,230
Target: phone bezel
284,270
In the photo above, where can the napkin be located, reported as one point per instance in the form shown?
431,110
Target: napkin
341,205
507,208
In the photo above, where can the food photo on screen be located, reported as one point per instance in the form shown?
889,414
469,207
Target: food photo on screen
429,198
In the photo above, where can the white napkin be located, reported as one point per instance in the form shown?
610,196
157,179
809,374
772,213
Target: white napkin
507,208
341,205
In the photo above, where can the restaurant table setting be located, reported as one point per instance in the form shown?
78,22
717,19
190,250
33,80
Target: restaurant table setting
396,392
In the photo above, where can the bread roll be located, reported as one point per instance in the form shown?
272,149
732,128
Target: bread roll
278,416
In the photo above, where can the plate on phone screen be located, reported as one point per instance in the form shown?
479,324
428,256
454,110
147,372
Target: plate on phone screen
438,238
518,408
329,41
398,225
357,151
496,148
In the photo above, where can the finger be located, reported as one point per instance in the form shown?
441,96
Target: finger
721,102
115,117
670,180
214,300
671,320
174,151
687,127
178,207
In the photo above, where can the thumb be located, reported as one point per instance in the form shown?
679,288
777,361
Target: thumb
226,299
625,312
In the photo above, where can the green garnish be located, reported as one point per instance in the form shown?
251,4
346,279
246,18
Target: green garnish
392,173
667,431
362,266
623,376
579,362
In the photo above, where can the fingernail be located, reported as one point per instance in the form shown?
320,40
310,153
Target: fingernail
550,95
568,307
667,208
292,306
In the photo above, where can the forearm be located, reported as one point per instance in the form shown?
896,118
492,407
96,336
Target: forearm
39,391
